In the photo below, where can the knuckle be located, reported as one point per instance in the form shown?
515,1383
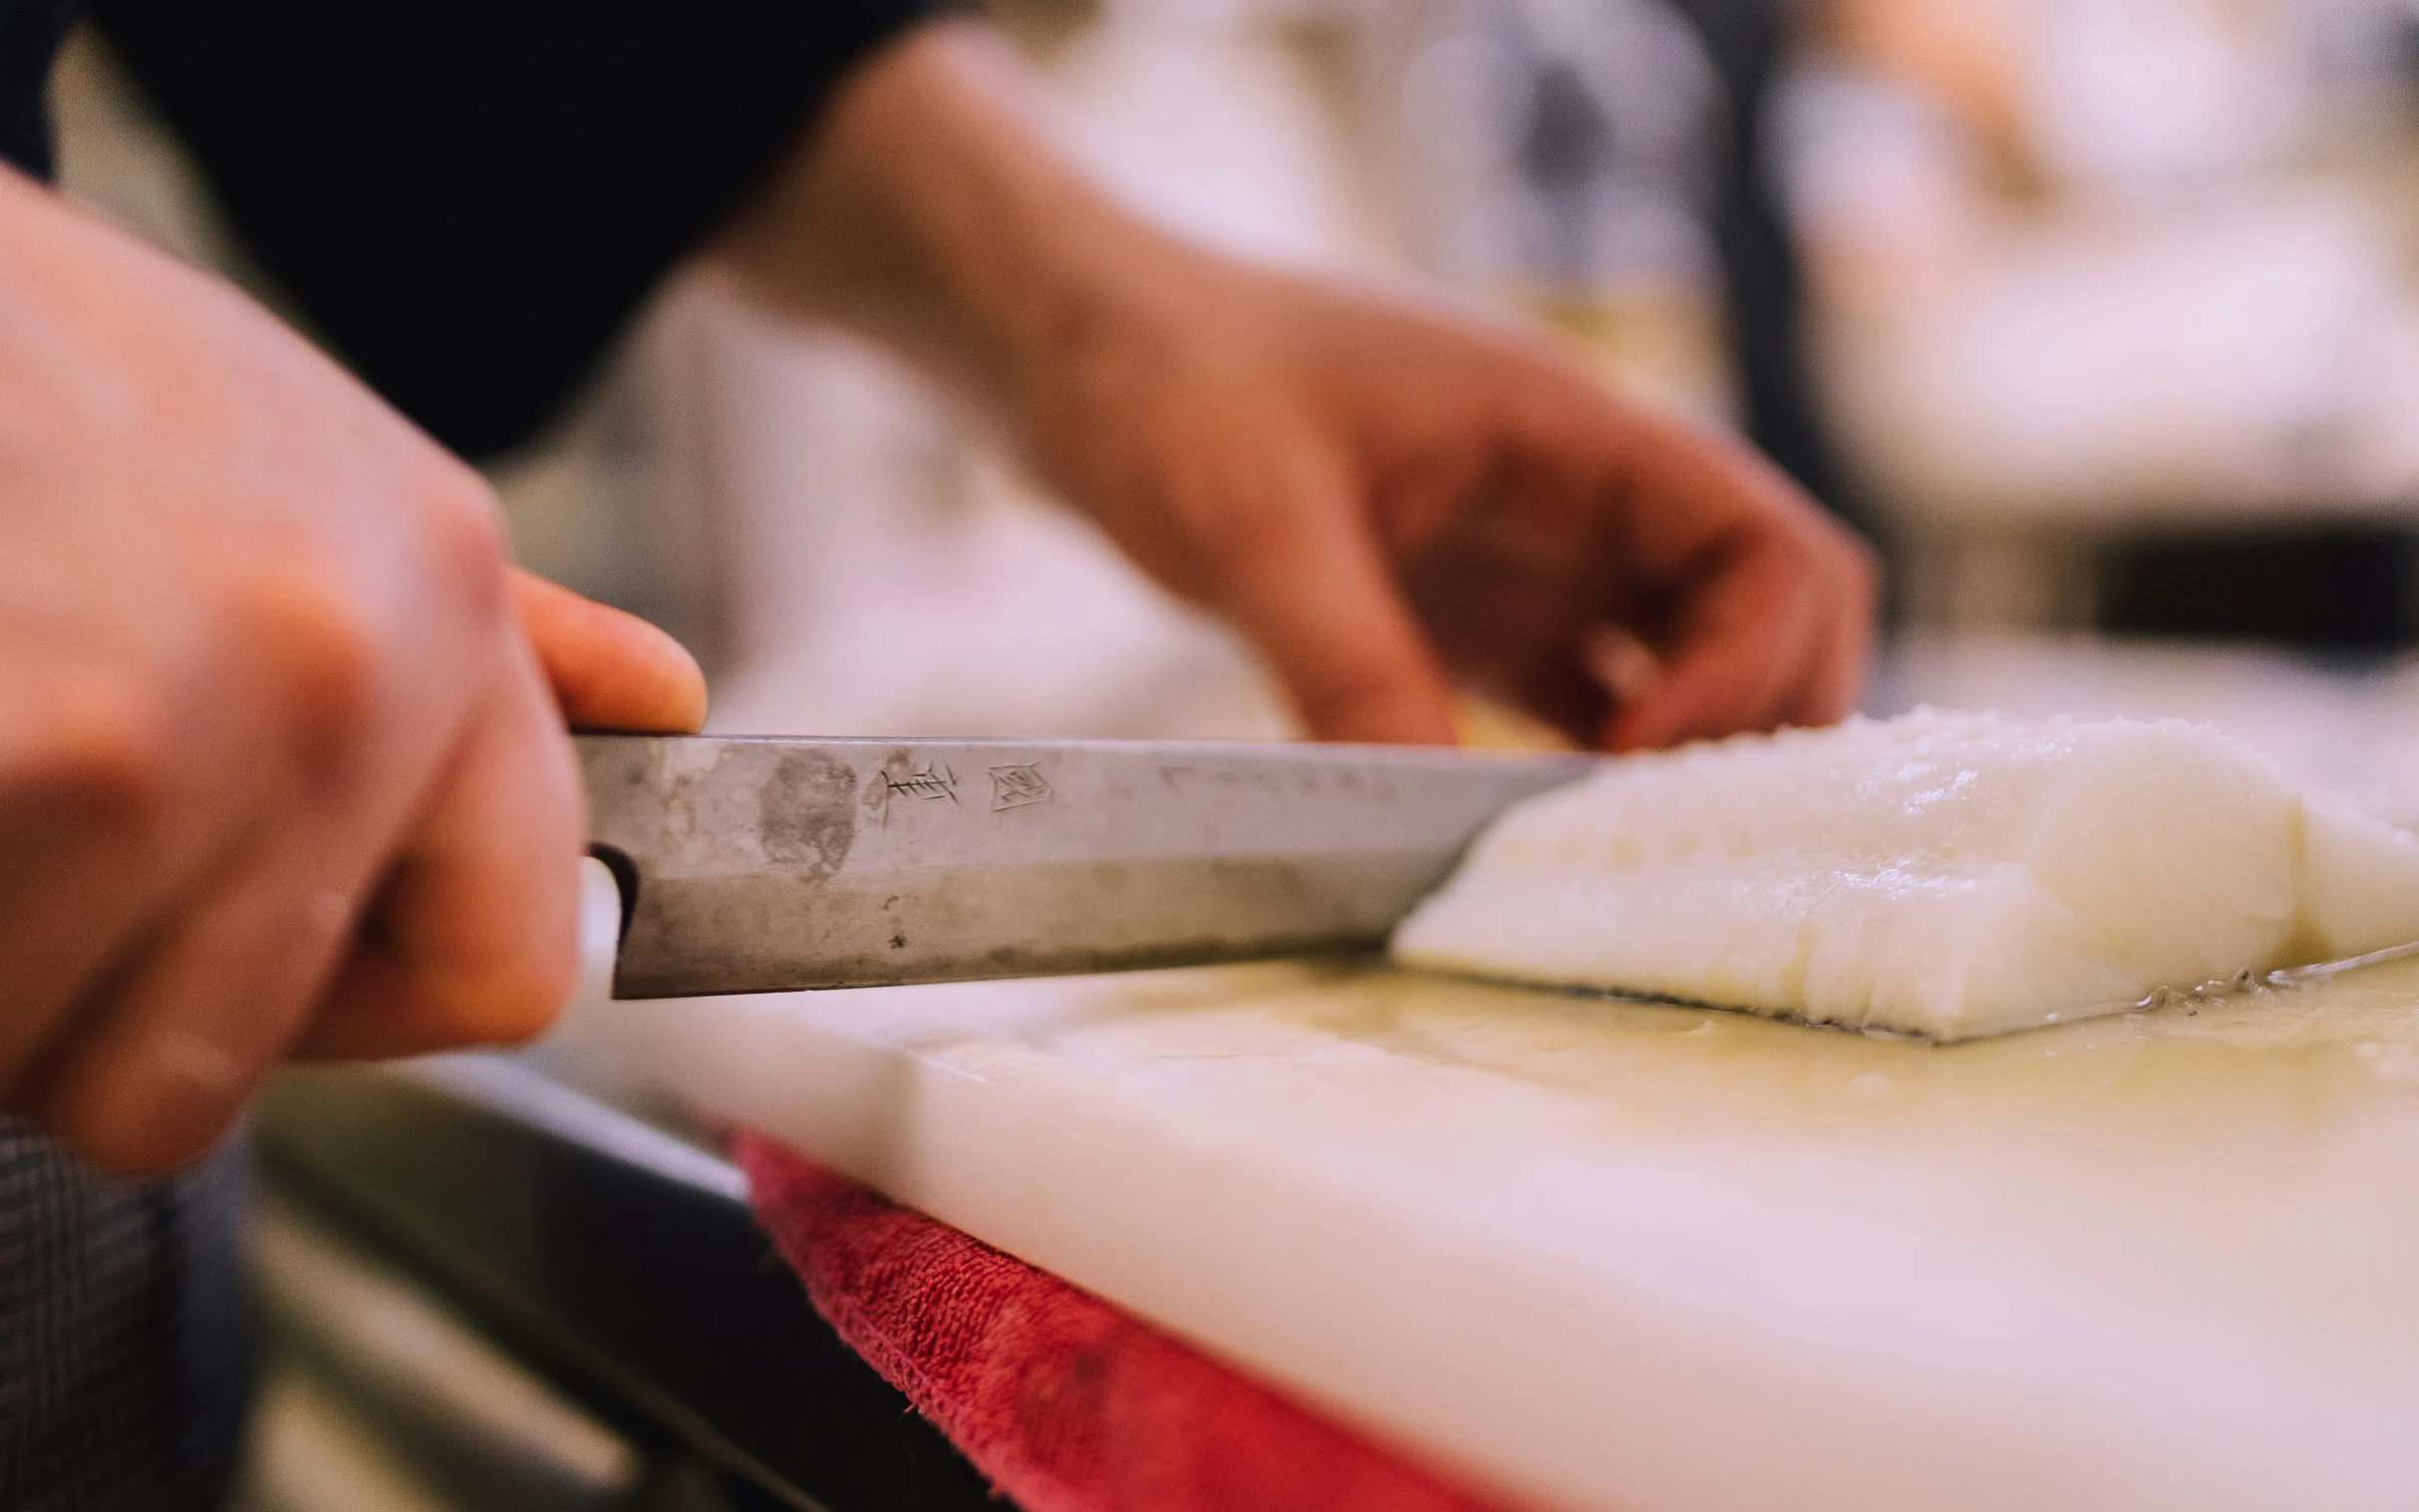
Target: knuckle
100,747
325,655
148,1112
467,554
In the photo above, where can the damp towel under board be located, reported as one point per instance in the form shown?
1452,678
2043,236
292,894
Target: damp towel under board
1067,1403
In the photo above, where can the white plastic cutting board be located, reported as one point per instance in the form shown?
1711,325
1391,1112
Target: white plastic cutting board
1667,1260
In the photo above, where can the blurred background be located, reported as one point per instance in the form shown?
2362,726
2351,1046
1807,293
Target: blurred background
2097,315
2101,317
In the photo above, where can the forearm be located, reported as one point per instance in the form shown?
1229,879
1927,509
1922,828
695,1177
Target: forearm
928,211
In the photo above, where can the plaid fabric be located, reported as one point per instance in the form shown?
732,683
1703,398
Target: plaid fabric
123,1345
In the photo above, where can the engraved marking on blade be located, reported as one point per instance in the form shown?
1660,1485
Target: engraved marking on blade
927,782
901,775
1018,787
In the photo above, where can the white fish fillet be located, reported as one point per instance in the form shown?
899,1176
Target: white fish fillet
1941,874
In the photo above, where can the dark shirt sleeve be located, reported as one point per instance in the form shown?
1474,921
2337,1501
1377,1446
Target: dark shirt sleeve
469,196
30,33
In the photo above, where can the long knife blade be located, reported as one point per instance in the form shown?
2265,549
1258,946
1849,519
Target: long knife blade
760,865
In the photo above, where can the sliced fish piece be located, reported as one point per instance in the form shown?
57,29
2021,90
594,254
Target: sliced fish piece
1942,874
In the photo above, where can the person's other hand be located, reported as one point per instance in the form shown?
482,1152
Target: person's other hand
1392,498
1386,494
275,750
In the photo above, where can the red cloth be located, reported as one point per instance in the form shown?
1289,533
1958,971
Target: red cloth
1065,1402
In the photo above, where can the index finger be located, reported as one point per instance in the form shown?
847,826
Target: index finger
610,671
1301,574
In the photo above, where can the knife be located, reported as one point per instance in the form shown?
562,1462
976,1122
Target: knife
761,865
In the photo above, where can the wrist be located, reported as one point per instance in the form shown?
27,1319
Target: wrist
929,213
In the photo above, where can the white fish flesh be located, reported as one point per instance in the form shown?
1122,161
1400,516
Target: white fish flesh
1941,874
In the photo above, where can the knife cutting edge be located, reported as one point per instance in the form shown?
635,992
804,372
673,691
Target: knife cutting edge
766,864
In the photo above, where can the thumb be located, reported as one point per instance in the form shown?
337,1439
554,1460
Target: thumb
1310,589
610,671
